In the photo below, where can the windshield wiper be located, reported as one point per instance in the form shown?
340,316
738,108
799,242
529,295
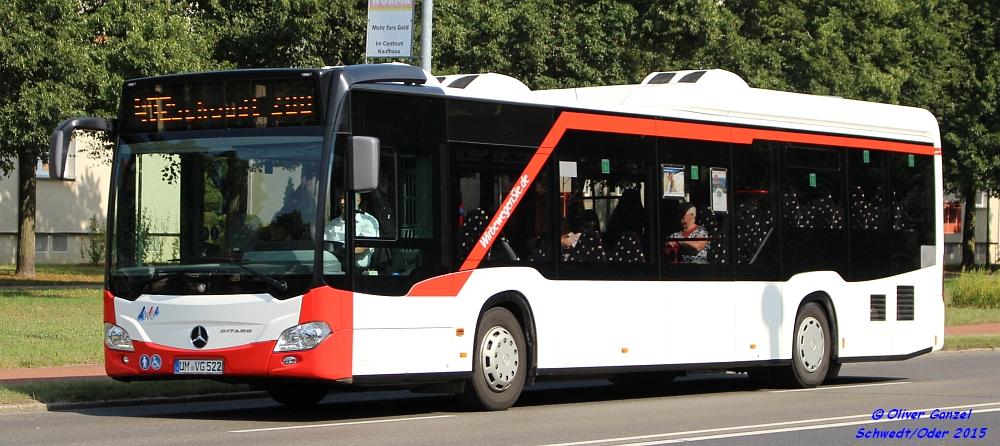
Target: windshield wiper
281,285
131,285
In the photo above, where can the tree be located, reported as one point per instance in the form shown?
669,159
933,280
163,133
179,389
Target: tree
288,33
971,123
64,58
43,79
543,43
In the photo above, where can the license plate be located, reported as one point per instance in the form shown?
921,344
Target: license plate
198,366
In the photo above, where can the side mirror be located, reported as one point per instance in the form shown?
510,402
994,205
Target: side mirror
363,152
59,144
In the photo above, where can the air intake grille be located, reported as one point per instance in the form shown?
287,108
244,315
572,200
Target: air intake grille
878,307
904,303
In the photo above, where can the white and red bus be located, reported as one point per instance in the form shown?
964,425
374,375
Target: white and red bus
503,236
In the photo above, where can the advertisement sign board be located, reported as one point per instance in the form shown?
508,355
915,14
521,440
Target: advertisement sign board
390,28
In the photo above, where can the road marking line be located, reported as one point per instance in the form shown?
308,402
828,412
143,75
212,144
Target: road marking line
848,386
774,431
765,425
349,423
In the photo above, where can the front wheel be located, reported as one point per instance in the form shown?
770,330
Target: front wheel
498,362
811,355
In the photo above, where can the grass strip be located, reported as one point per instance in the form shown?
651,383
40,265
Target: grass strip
964,342
48,328
88,391
53,274
970,316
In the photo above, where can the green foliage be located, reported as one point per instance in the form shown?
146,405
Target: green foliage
288,33
544,43
43,49
976,289
92,248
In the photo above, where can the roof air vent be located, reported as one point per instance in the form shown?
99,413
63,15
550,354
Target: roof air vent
661,78
691,77
463,82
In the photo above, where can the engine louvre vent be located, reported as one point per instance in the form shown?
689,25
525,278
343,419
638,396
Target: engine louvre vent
904,303
878,307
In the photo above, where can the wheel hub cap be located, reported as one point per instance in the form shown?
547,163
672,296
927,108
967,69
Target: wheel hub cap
499,358
811,344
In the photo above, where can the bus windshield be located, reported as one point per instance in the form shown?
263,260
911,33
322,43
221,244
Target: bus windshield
220,213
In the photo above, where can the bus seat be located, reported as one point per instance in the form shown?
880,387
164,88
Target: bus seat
628,249
588,248
472,227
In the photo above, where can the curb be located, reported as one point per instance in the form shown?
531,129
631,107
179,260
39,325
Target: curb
50,407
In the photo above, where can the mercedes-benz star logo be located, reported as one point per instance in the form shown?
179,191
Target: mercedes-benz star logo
199,336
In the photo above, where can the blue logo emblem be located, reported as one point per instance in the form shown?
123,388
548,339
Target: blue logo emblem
156,362
144,362
148,315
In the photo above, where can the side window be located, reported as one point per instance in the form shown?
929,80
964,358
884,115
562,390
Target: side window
396,237
758,241
381,204
911,210
868,214
483,177
604,187
694,217
813,216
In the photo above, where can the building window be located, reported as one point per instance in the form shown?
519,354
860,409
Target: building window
981,200
952,217
51,243
42,168
41,243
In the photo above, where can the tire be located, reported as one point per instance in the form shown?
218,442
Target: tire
811,349
833,372
498,362
304,396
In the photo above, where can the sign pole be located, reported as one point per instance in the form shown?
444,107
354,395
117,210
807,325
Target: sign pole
426,32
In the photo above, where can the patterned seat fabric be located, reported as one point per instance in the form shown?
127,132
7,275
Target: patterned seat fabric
588,248
753,223
628,249
538,248
472,228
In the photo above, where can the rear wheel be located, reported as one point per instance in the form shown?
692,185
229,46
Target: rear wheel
811,354
833,372
298,396
498,362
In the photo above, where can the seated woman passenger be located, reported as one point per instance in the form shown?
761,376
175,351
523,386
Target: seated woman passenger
689,246
587,221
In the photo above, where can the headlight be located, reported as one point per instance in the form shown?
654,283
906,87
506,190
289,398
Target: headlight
116,338
302,337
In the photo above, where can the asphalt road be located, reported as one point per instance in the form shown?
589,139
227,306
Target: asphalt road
711,409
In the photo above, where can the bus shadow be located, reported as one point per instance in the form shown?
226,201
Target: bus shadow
348,407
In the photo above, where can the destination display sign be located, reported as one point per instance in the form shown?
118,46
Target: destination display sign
221,105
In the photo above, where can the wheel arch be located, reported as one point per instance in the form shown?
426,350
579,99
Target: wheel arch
517,304
825,303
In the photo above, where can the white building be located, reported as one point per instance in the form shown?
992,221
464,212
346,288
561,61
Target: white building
987,230
64,208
